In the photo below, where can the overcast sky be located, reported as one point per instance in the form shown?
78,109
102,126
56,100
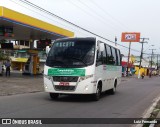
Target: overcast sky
108,18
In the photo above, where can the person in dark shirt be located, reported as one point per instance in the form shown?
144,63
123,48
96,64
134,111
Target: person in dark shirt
7,64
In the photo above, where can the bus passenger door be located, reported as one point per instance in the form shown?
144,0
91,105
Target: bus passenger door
101,67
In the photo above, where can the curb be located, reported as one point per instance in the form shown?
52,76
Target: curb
148,112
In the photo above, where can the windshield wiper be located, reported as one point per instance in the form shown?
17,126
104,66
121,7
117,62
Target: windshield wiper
77,59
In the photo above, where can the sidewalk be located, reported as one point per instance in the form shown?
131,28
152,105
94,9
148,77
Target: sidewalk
136,77
18,84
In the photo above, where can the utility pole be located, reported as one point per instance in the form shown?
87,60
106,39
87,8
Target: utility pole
157,61
115,41
152,56
128,56
141,56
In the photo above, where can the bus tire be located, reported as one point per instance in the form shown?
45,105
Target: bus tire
54,95
113,90
97,95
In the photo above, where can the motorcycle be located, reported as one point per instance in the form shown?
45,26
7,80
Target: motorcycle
142,75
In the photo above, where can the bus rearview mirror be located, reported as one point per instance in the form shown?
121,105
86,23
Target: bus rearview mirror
47,50
101,47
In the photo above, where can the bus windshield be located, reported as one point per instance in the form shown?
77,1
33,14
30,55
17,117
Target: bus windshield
71,53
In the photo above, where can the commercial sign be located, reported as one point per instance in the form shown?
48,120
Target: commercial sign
130,37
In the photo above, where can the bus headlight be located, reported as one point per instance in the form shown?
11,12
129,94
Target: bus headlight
48,77
45,86
85,77
86,87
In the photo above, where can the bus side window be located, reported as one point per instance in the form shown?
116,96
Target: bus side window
109,55
104,56
118,57
101,57
114,56
99,60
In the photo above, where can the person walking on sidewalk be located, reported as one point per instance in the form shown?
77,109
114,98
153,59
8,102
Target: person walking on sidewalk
8,64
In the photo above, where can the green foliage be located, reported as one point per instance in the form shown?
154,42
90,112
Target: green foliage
3,56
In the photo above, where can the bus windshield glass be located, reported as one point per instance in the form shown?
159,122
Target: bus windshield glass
71,53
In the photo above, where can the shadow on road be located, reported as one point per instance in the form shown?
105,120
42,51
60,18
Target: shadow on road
79,98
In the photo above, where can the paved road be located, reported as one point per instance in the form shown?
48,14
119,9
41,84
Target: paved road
132,99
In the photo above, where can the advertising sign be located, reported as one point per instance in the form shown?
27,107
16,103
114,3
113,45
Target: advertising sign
130,37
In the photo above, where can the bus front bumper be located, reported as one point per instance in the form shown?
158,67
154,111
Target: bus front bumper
84,87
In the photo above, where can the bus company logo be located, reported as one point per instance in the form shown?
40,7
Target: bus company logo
6,121
66,70
130,36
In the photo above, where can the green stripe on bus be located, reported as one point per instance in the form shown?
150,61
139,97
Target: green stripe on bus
66,72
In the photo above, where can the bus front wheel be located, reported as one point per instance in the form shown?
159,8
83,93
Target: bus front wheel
97,95
113,90
54,95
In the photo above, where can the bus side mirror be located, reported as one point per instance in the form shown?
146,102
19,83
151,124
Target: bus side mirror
101,47
47,50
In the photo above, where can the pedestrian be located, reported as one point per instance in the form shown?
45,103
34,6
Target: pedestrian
142,75
150,73
7,64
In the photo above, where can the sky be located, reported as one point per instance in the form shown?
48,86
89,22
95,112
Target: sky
107,18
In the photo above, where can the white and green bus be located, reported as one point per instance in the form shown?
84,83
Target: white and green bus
82,66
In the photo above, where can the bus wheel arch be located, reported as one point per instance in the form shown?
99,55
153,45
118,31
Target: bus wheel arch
96,96
113,90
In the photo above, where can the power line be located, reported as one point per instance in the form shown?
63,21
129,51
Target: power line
43,10
105,12
45,16
99,16
50,13
89,14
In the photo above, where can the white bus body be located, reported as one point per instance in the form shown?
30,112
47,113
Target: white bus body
82,66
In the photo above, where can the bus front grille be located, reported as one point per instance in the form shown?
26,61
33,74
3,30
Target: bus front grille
65,78
58,88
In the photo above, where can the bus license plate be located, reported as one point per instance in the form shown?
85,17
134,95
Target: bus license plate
64,83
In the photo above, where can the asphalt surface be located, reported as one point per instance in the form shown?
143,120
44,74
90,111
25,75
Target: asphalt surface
132,99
